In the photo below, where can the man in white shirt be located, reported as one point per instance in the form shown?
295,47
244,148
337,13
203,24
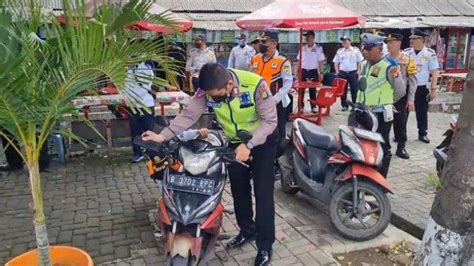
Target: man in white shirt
347,65
138,92
198,56
312,63
241,54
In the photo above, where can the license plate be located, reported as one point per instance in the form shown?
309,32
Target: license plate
191,184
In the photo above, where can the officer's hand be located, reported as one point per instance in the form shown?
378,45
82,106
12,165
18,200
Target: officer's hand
321,77
203,132
411,106
433,95
152,136
242,153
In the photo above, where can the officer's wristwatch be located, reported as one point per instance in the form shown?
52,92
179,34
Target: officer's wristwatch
249,145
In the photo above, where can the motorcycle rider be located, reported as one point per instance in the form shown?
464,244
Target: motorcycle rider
241,101
384,87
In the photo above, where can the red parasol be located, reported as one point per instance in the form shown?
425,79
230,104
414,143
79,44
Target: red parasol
301,14
181,24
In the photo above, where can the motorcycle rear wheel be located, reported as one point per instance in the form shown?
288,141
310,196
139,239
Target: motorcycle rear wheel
343,195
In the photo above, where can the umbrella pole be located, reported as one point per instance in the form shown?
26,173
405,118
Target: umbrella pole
300,48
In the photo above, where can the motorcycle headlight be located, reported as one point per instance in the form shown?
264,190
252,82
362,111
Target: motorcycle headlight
351,142
196,164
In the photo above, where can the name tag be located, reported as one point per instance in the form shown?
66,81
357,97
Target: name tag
213,104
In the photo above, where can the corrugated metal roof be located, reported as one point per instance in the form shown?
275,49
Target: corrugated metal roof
460,21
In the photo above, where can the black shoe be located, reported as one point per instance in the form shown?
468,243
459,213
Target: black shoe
239,240
263,258
344,108
395,140
424,139
313,110
402,153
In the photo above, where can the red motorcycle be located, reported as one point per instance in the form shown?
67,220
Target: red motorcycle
342,172
193,173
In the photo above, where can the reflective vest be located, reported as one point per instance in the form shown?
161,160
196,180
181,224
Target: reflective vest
239,112
269,70
379,91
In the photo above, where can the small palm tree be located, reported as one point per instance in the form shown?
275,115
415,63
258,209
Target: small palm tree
39,77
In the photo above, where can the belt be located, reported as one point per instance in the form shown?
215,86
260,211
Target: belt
309,69
348,71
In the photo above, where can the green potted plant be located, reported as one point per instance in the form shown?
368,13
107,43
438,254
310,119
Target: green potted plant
39,77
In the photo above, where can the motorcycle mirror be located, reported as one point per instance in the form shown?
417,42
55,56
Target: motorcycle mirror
244,135
362,84
162,121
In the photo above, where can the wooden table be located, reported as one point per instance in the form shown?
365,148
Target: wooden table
162,98
454,76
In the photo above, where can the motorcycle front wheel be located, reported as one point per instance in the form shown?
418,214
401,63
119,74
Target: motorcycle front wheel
181,261
372,214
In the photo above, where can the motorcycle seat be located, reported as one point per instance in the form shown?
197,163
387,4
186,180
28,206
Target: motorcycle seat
317,136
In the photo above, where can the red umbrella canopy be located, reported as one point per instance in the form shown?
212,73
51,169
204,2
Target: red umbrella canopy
300,14
181,24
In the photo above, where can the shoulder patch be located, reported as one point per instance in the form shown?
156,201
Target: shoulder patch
431,50
409,49
394,71
199,93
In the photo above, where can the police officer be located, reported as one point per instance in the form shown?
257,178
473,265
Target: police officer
199,55
384,87
312,63
408,70
276,71
426,64
241,101
241,54
347,65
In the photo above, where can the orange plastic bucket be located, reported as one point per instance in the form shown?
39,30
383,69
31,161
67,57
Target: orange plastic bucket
60,256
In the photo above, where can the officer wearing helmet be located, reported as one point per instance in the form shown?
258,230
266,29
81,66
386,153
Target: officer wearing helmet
381,85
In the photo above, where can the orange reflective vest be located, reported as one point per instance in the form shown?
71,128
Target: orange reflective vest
269,70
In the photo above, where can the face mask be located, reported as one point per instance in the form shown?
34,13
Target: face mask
263,48
220,98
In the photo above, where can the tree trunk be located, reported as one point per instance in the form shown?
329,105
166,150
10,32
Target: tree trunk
42,241
448,236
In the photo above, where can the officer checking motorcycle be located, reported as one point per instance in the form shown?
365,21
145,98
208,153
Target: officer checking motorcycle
241,101
381,85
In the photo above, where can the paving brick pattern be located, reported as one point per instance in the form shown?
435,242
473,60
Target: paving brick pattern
102,205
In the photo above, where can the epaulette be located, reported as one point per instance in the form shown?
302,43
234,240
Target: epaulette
431,50
409,49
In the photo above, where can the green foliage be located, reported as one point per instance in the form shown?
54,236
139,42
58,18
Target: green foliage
40,77
434,181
